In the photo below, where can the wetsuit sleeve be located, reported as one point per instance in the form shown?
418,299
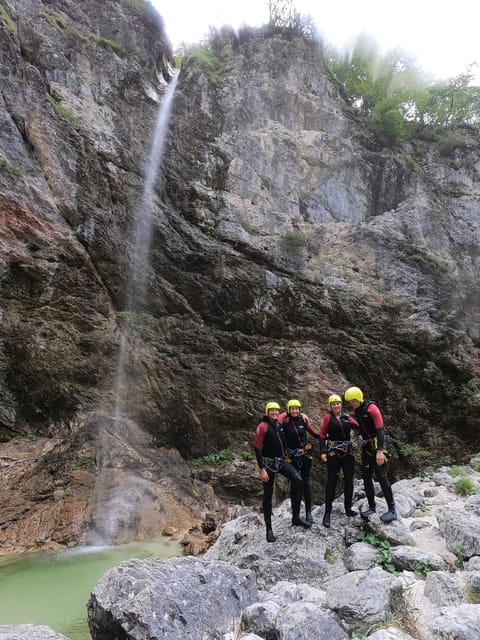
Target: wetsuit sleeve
313,432
323,433
376,415
260,432
353,422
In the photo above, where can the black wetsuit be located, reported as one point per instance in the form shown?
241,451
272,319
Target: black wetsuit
270,446
296,429
335,442
373,434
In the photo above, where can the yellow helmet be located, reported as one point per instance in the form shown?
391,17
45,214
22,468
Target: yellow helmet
293,403
354,393
334,398
271,405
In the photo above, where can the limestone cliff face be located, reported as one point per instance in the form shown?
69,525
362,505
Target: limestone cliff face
292,255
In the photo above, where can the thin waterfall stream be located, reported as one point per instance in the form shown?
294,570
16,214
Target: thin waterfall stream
120,492
52,588
142,236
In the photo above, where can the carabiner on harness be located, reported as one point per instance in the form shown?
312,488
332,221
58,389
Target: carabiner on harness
273,464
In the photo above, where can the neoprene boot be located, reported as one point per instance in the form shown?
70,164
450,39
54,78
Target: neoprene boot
309,517
270,536
326,519
300,522
390,515
350,512
369,512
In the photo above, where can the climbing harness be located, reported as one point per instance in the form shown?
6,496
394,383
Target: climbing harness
273,464
370,447
299,453
340,447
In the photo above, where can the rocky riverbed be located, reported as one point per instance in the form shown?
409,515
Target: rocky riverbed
415,579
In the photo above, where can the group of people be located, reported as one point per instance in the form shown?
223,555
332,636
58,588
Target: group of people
282,446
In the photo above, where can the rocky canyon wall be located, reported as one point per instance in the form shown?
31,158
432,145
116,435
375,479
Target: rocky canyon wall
292,255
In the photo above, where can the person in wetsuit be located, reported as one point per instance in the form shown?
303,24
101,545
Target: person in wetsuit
297,426
374,451
270,448
336,450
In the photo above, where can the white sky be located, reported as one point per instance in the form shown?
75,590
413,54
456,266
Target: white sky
444,39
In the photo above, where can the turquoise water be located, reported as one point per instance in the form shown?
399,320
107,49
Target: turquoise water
52,588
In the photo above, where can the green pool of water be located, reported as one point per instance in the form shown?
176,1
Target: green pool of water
52,588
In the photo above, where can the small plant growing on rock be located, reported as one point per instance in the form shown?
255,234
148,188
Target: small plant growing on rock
467,487
6,167
456,471
7,19
212,458
471,594
209,62
423,567
56,20
384,556
458,551
61,110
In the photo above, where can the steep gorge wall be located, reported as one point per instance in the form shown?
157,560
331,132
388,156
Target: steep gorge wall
292,255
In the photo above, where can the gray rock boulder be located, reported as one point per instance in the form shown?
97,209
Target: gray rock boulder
460,529
363,595
29,632
456,623
297,555
170,599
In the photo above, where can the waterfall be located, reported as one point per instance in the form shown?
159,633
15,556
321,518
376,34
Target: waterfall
142,232
119,492
142,228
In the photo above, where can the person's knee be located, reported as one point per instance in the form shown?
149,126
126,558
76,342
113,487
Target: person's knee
297,480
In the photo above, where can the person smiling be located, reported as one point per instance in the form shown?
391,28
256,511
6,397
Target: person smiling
297,426
374,451
337,451
270,451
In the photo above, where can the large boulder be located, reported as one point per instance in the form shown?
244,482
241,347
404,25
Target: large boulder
172,599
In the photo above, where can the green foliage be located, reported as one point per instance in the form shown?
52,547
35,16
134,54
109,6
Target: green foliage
449,142
467,487
5,16
458,551
209,62
472,387
475,463
6,167
283,17
329,556
107,43
456,471
426,475
61,110
55,19
384,555
5,437
399,100
423,567
212,458
416,454
294,240
471,594
247,455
